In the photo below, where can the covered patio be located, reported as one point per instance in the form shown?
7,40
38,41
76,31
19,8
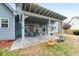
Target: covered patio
34,13
30,13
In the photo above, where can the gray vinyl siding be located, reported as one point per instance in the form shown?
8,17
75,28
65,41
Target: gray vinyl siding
7,33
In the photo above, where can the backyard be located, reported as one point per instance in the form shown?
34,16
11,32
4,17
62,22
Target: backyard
68,48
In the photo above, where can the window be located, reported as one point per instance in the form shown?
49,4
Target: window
4,23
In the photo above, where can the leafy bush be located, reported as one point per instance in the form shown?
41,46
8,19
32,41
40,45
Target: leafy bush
76,32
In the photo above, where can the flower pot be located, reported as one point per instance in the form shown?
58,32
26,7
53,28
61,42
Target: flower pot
51,43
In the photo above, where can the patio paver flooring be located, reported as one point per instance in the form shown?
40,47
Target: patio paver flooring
20,44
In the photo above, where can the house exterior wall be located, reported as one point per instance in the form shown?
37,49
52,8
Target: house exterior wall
75,24
40,28
54,27
18,29
7,33
36,26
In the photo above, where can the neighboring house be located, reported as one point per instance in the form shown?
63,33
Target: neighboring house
75,23
31,20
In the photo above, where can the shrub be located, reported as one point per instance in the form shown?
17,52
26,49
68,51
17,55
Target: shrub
76,32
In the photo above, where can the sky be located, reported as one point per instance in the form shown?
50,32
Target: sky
67,9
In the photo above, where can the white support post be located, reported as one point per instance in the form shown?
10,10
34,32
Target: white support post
23,28
61,28
49,29
45,30
61,36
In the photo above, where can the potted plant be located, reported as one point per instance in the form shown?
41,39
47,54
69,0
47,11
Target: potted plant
51,43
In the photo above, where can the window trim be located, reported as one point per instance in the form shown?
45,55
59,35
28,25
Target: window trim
1,22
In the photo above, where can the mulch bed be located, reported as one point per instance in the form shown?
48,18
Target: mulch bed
6,44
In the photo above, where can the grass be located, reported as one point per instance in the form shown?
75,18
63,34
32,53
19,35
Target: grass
6,52
66,37
60,49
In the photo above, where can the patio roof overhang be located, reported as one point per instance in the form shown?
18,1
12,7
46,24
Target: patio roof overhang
36,20
34,10
31,9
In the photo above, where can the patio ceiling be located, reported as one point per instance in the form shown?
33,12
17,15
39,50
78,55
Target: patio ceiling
36,20
36,9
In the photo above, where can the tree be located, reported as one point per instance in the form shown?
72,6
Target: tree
67,25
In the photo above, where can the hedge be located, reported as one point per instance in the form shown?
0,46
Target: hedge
76,32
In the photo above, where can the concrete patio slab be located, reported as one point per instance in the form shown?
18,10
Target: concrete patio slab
20,44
